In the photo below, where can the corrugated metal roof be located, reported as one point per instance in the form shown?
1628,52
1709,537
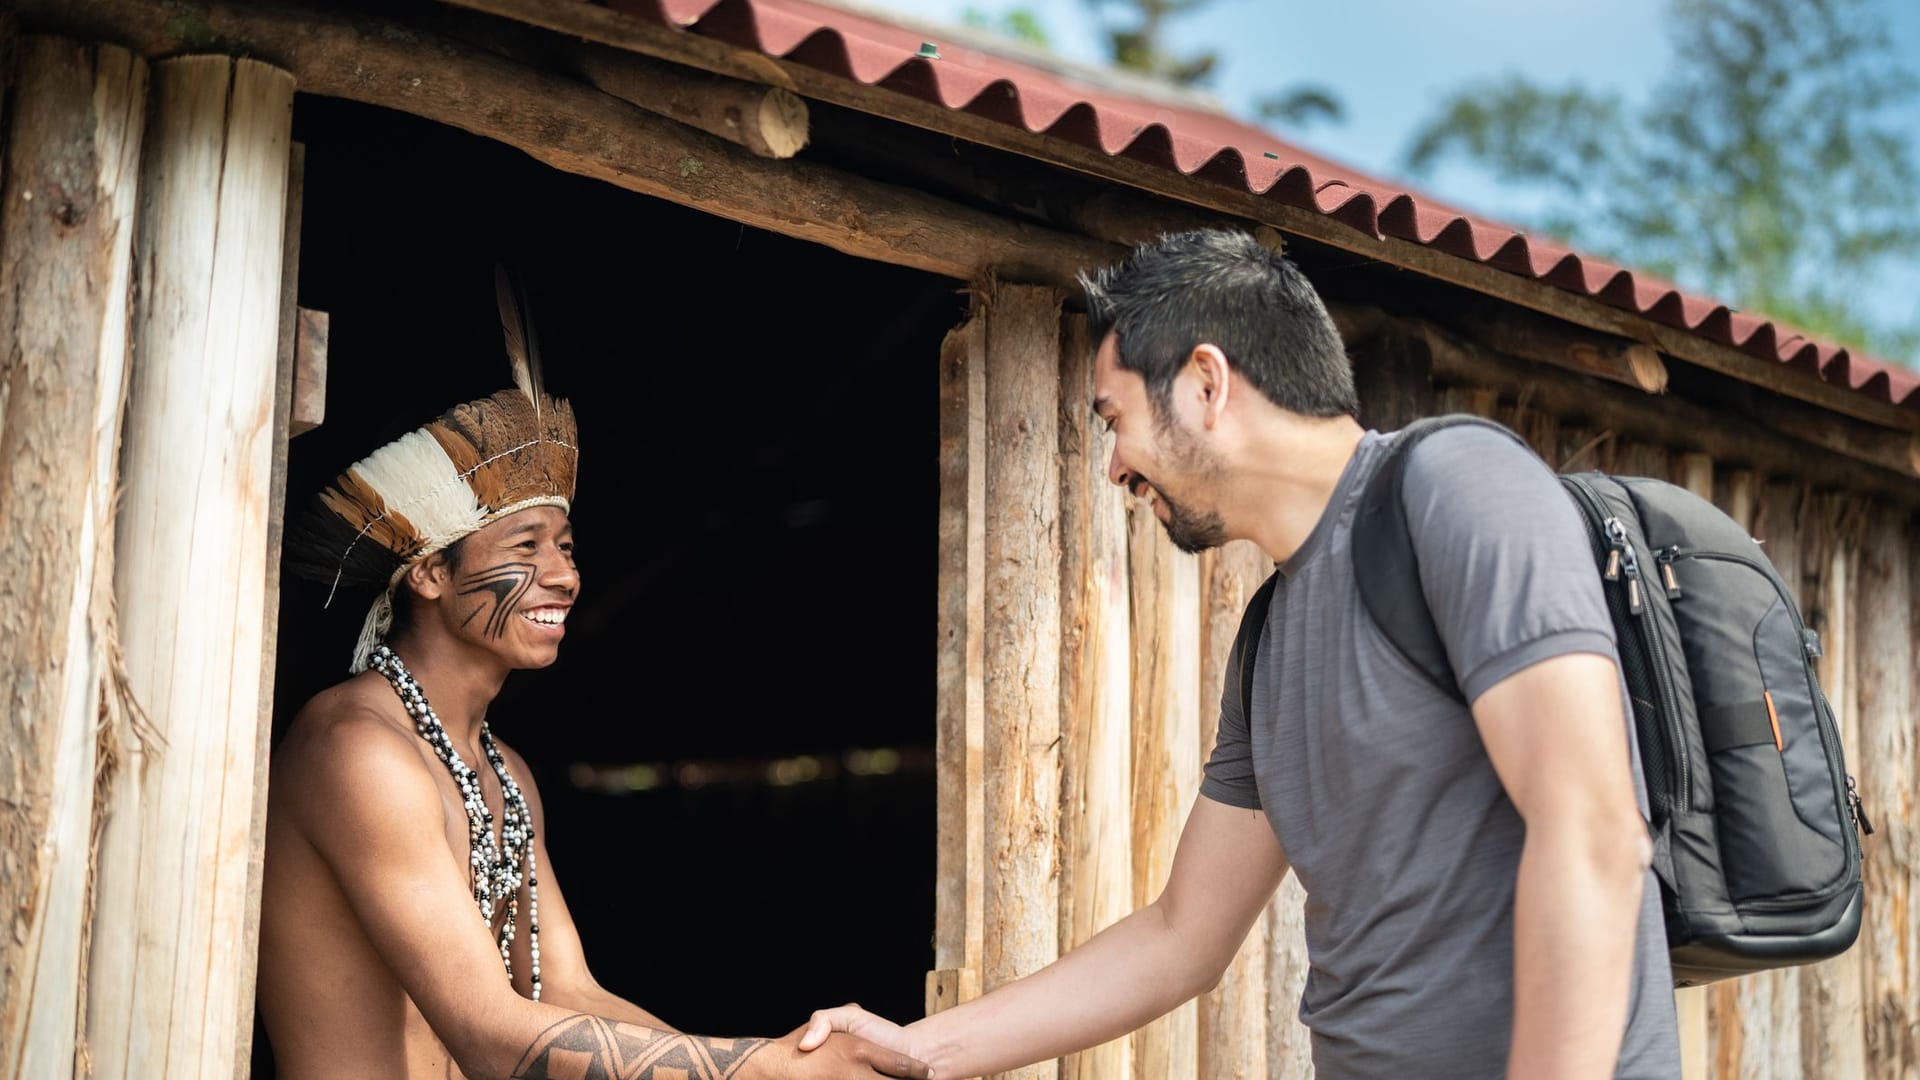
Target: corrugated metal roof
1175,133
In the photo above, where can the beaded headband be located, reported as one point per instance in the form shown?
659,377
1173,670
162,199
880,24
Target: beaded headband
423,492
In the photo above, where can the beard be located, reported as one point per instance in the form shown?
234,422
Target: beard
1192,531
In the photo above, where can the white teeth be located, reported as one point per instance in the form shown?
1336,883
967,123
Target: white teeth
546,616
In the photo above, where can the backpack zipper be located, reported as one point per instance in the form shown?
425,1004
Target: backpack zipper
1622,560
1664,557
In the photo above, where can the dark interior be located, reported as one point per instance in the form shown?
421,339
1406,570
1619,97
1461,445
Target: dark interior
735,748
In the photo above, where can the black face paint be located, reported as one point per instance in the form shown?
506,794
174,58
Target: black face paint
506,584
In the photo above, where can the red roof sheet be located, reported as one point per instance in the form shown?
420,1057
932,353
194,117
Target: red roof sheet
1216,147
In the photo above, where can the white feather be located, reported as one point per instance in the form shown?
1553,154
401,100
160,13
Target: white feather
418,481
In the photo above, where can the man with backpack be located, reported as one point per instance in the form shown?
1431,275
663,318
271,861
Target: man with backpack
1476,856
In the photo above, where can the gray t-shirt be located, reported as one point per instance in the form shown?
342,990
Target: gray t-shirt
1379,787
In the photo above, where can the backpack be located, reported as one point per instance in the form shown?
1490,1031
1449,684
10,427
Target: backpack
1752,813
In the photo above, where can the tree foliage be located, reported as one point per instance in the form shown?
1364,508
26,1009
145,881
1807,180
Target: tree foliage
1766,169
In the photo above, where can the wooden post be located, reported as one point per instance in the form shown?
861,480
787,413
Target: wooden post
959,704
1232,1023
1695,472
66,233
1885,767
1022,638
1832,1030
1772,1002
1166,751
191,568
1739,1011
286,375
1096,813
1289,1044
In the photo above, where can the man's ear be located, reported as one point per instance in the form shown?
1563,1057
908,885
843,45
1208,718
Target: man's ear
1216,380
430,576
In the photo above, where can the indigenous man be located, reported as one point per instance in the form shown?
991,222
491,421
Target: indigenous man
411,925
1479,899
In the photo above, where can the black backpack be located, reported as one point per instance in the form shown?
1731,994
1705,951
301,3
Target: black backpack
1753,814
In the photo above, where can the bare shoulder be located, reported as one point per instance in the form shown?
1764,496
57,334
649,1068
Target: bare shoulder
351,749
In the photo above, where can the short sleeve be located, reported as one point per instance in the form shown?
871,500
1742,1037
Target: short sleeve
1505,561
1229,774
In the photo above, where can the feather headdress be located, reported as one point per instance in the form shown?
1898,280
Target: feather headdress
423,492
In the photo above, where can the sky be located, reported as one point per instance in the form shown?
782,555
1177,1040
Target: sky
1390,61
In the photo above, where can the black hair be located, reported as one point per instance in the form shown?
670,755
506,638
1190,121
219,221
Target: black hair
1222,288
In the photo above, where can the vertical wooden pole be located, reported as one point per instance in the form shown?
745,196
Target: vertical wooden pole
1289,1044
1096,829
270,626
1885,768
1022,639
66,232
1232,1022
1832,1031
191,567
960,704
1166,751
1776,524
1739,1011
1695,473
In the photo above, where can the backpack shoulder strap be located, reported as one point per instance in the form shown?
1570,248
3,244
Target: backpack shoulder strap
1246,643
1385,566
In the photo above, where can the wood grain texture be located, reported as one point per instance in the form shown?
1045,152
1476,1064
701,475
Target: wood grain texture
191,568
1022,639
66,227
1166,751
1096,812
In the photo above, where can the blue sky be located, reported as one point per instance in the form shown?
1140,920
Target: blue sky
1389,61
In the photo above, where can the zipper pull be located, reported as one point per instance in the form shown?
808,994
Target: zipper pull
1665,557
1859,811
1616,544
1632,565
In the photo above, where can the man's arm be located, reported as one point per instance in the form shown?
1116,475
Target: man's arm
1556,739
1227,866
369,806
565,978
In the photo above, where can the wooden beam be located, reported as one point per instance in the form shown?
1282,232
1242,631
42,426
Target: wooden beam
1096,659
309,404
579,130
75,115
1883,691
637,35
191,567
1666,418
1832,1029
959,709
1232,1024
1289,1044
766,120
1022,646
1166,751
292,316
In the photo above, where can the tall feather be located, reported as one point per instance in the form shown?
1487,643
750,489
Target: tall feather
516,322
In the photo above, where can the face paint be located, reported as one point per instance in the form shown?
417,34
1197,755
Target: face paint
502,586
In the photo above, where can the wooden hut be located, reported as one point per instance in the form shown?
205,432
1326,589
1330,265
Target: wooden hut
158,362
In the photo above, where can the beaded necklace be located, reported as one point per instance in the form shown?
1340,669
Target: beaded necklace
497,865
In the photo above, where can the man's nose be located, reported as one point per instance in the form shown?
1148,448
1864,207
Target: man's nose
560,573
1118,473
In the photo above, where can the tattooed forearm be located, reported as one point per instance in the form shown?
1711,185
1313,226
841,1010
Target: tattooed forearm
502,586
588,1047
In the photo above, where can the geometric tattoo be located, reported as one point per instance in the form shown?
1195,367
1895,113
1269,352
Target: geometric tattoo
506,583
586,1047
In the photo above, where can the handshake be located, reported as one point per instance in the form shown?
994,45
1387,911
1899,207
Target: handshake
848,1042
